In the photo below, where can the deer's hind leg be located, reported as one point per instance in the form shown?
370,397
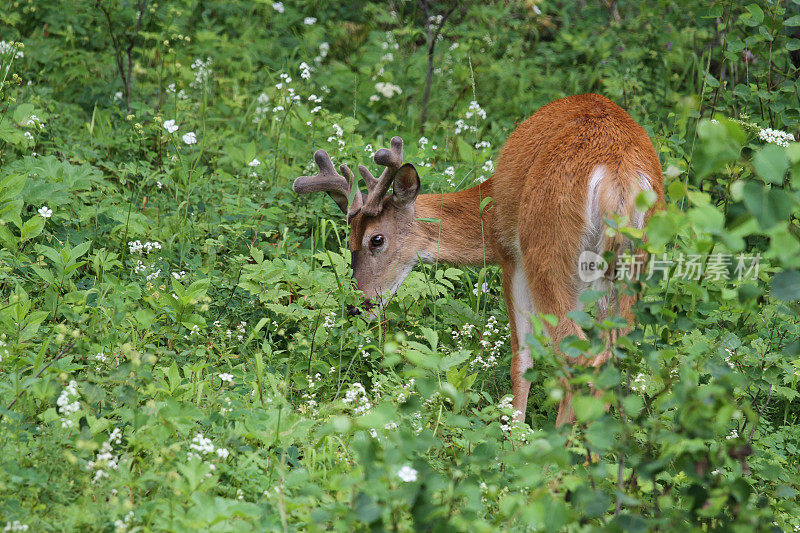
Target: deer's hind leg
520,307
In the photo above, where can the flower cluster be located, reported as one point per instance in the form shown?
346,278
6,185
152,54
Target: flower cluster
262,108
122,524
487,167
105,458
324,48
407,474
16,525
388,46
203,449
450,174
34,122
202,73
11,47
385,89
190,138
491,340
474,110
241,328
136,247
305,70
464,333
170,126
484,289
356,397
171,90
68,404
781,138
225,409
639,383
225,377
338,133
516,430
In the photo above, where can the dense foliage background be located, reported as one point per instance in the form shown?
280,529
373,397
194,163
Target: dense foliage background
173,349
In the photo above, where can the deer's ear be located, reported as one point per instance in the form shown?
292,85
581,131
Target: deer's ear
406,184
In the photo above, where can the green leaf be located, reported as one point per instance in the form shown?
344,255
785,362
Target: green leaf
32,228
80,249
588,408
707,218
768,206
633,405
483,205
756,13
792,21
786,285
771,163
454,359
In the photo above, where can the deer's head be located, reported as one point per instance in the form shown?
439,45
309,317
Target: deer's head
383,243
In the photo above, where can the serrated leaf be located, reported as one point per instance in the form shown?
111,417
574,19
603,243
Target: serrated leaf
31,228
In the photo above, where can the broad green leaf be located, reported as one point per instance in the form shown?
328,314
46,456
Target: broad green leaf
771,163
587,408
32,228
786,285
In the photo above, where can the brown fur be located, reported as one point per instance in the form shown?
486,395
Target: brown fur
536,218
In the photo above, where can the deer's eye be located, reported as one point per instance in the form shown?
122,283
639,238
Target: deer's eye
376,241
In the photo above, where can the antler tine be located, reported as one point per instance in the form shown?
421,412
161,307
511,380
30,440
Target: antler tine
392,159
327,180
369,179
358,198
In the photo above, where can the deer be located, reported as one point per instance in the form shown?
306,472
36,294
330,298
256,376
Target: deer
562,176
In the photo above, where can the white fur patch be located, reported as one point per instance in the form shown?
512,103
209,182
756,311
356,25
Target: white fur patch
644,185
523,309
593,231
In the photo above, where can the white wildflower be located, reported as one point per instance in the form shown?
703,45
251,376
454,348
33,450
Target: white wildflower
781,138
483,290
278,6
170,126
387,89
407,474
309,21
305,72
202,72
68,403
475,110
45,212
190,138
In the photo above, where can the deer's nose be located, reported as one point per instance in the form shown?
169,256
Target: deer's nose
352,310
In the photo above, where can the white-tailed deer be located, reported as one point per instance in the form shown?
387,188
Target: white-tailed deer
572,164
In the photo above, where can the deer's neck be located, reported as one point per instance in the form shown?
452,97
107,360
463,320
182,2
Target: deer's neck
463,235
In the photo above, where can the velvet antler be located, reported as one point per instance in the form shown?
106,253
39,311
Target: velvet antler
392,159
331,182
